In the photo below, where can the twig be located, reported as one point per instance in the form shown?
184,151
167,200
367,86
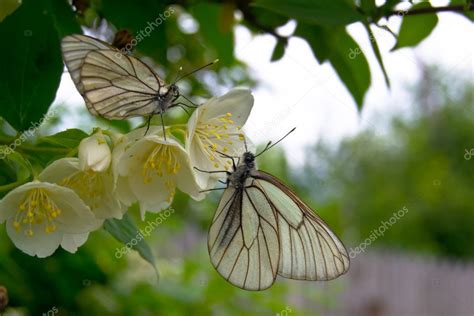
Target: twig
454,8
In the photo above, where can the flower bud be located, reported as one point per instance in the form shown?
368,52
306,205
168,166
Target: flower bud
94,153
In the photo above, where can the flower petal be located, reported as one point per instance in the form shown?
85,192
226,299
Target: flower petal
94,153
41,245
71,242
238,102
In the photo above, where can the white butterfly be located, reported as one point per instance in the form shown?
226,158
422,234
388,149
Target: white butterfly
261,229
114,85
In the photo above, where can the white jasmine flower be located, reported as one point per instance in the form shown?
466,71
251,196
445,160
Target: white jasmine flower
96,189
154,168
39,215
215,127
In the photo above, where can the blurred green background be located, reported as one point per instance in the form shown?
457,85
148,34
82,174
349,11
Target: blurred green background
419,162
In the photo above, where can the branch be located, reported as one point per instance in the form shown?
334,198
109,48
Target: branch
454,8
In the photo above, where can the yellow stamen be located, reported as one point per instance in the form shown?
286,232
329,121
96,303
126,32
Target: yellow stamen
162,159
36,209
89,185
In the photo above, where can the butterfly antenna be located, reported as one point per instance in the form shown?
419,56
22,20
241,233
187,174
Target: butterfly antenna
270,145
177,74
195,70
245,144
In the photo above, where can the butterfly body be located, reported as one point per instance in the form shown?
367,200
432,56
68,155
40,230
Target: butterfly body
166,98
242,171
261,229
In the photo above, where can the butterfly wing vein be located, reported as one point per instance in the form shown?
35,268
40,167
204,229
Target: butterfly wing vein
114,85
264,230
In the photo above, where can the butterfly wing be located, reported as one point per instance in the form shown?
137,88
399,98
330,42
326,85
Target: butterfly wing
119,87
113,85
243,240
309,250
75,49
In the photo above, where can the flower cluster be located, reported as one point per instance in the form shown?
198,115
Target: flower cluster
73,196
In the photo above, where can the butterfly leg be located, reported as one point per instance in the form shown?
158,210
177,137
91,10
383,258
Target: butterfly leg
194,105
212,171
147,125
182,106
163,125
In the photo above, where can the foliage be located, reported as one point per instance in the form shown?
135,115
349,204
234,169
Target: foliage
421,164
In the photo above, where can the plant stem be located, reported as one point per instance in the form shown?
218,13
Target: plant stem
10,186
454,8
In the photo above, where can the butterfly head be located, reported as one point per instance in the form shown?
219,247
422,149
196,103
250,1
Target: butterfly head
249,159
173,91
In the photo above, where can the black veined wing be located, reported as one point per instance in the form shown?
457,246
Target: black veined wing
115,85
262,229
75,49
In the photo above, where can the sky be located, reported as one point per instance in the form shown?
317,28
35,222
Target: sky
298,92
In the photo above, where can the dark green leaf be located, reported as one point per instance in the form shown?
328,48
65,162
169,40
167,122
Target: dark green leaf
31,63
316,38
126,231
20,166
389,6
322,12
268,18
69,138
368,6
215,36
64,18
278,51
378,55
416,28
147,22
337,46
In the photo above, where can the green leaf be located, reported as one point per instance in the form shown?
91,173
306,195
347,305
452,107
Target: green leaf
64,18
147,22
368,6
21,167
69,138
278,51
378,55
215,35
268,18
415,28
126,231
322,12
339,48
31,64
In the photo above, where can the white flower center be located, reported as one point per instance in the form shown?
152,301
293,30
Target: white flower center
218,135
162,160
89,185
36,209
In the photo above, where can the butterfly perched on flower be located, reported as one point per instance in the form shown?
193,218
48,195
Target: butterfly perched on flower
262,229
116,85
